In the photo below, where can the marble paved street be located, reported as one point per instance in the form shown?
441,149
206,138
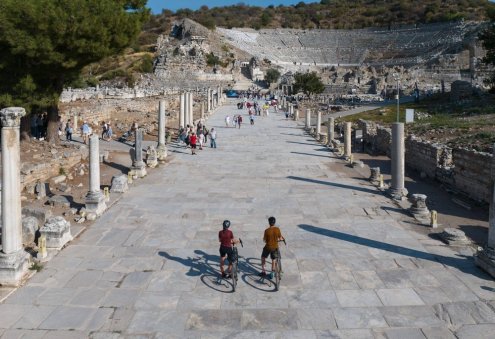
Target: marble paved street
148,267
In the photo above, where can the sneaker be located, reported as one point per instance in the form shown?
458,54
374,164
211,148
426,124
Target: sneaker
271,275
228,276
262,274
224,275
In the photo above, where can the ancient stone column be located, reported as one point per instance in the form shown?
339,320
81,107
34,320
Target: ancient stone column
13,258
138,166
95,200
318,125
296,115
397,189
208,100
486,258
202,110
347,140
331,130
308,118
191,109
219,99
161,149
186,109
182,121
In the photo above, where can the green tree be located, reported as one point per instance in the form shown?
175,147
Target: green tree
46,43
308,83
272,75
487,38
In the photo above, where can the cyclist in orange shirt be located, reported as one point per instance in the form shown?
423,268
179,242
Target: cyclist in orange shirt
271,238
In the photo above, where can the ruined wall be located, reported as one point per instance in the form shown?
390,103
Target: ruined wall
467,171
50,167
377,139
472,173
426,157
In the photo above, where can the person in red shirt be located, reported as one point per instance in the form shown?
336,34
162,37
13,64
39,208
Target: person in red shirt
226,239
192,141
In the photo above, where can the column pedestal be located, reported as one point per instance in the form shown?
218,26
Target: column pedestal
138,166
13,266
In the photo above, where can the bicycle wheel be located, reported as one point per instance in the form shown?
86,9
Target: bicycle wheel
234,276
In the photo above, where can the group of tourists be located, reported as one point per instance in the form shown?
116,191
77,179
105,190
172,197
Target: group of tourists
234,121
196,136
39,125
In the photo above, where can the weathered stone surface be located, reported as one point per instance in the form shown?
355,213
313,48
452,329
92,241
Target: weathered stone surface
30,226
119,184
151,157
41,214
59,200
57,232
453,236
58,179
40,189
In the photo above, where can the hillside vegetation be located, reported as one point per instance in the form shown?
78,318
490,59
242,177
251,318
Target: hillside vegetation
338,14
328,14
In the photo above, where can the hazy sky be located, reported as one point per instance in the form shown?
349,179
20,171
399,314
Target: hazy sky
157,5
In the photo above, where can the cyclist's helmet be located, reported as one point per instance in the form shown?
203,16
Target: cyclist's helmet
226,224
271,221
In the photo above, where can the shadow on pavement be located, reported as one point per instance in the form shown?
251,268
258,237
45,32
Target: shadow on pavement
123,169
302,143
463,263
314,181
313,155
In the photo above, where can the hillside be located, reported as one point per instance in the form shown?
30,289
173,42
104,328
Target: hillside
336,14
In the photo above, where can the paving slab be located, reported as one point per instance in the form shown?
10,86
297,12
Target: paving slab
353,266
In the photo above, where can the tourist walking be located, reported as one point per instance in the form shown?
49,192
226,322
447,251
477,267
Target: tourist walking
104,128
227,121
192,142
109,132
201,138
213,138
239,121
68,130
251,119
85,131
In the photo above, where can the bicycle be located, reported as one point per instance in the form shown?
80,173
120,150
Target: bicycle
235,262
278,267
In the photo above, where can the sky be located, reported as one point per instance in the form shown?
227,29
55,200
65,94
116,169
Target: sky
157,5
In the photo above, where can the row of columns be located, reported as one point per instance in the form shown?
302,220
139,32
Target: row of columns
14,260
214,98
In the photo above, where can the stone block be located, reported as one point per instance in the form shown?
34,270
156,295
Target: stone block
455,237
13,267
58,179
57,232
119,184
42,215
41,189
59,200
30,226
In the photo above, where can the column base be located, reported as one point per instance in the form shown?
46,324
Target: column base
397,193
95,203
161,152
13,267
139,171
57,232
485,259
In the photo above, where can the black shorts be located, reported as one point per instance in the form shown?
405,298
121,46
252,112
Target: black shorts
273,253
226,252
193,146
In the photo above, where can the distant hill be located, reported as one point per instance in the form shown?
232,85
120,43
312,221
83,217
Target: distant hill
337,14
328,14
